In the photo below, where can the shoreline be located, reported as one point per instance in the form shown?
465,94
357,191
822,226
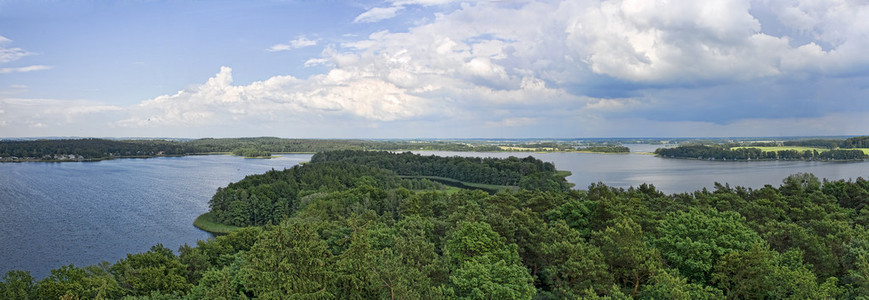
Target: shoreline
275,155
206,222
39,160
760,159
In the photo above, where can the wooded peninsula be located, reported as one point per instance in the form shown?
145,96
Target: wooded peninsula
355,224
856,148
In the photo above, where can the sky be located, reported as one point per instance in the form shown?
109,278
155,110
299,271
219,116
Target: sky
434,68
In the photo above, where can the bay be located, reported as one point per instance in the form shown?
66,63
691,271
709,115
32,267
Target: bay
81,213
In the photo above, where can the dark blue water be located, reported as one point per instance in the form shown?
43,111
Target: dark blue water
54,214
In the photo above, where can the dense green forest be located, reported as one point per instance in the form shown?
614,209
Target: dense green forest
509,171
251,152
90,148
271,197
606,149
725,153
855,142
357,231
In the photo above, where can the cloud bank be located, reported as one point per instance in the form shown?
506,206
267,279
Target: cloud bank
559,68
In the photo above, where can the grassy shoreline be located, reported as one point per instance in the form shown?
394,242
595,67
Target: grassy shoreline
206,222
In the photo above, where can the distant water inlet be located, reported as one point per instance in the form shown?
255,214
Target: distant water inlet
54,214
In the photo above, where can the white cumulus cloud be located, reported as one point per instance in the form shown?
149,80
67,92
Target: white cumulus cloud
336,94
10,54
299,42
377,14
24,69
13,54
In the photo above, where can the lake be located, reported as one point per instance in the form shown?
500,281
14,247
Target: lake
55,214
676,175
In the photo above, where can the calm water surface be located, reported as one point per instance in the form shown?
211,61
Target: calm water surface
676,175
54,214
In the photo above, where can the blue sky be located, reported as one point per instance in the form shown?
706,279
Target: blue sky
434,68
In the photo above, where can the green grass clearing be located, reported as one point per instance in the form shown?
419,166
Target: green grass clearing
563,173
206,222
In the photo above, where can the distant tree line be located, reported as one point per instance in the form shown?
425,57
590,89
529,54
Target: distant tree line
723,153
278,145
606,149
849,143
542,146
251,152
92,148
855,142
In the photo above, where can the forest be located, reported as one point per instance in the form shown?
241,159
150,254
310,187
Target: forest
343,227
89,149
718,152
509,171
275,195
606,149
